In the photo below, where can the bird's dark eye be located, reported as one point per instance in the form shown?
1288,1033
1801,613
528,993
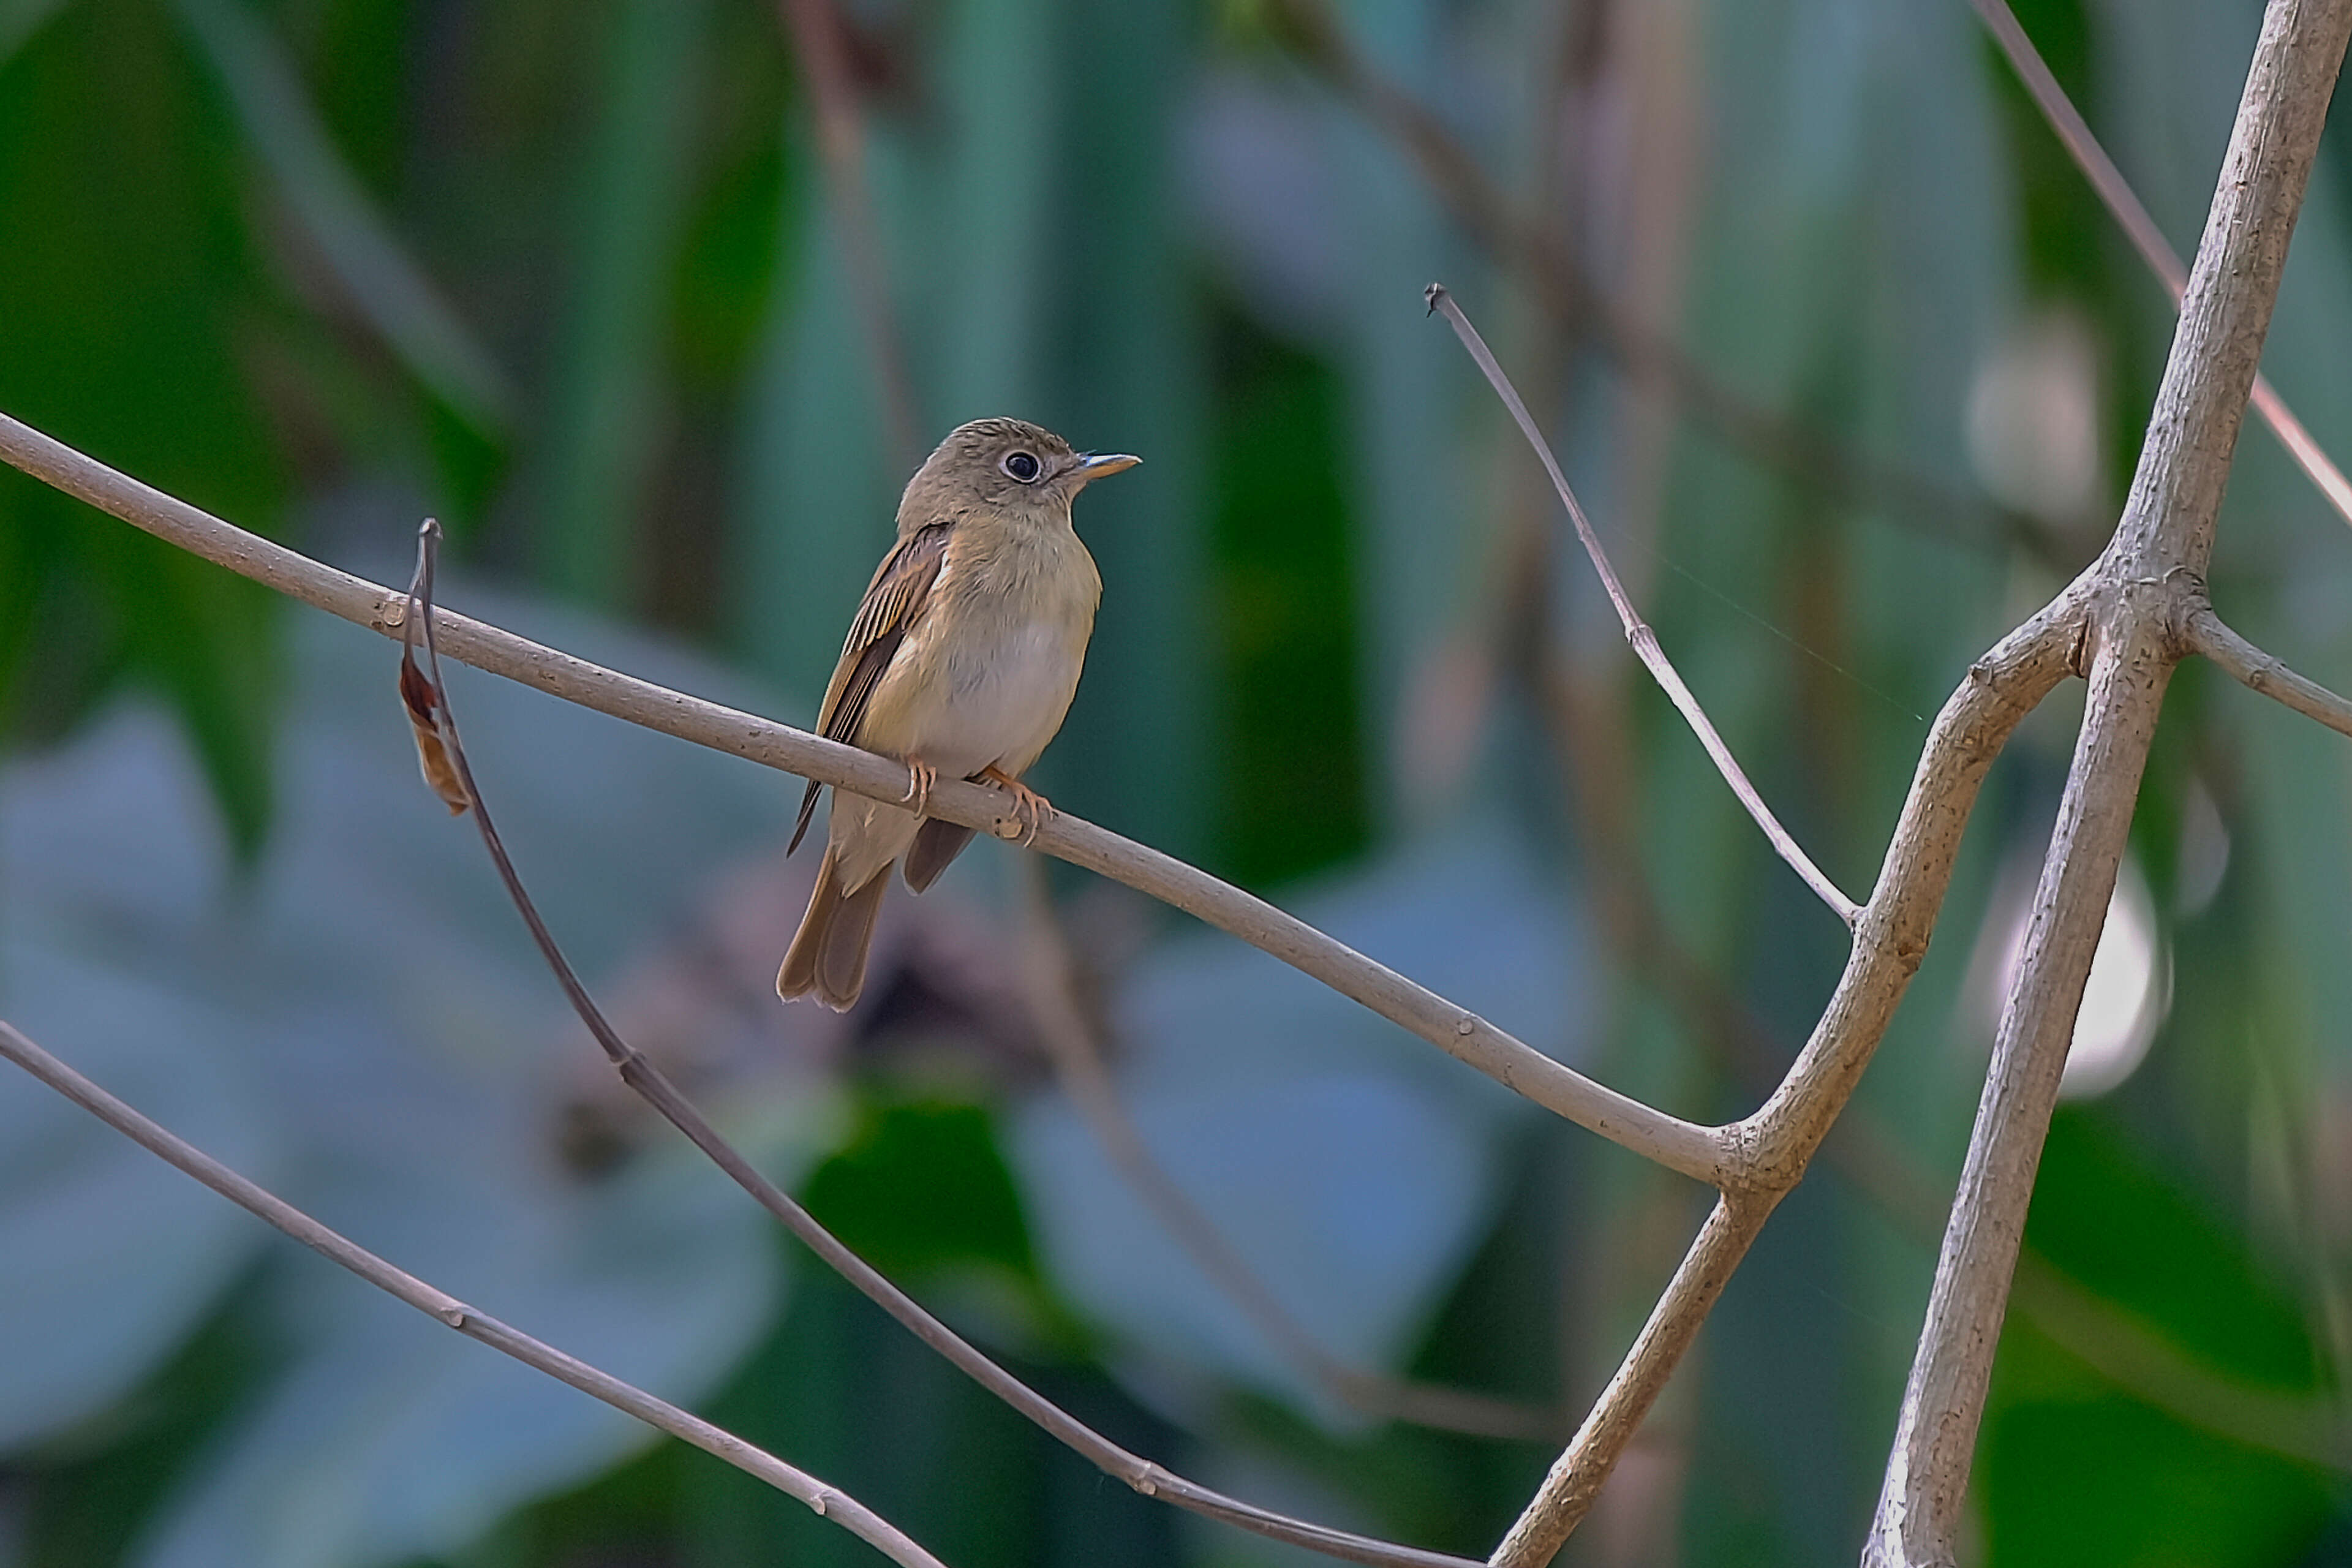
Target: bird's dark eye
1022,465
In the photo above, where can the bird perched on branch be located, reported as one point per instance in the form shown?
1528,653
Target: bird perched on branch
962,659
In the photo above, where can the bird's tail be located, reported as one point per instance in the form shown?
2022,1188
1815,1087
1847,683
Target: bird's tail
829,953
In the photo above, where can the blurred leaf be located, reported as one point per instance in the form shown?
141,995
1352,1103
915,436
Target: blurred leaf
89,1503
728,261
1422,531
389,1439
919,1186
998,92
2101,1481
1115,356
114,1254
123,313
817,492
2104,1217
417,1060
1293,790
355,54
2068,235
2075,1472
20,19
852,1395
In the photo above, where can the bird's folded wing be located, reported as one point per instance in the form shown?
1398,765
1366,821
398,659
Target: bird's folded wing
901,589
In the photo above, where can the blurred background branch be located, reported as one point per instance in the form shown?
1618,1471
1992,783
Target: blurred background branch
1086,1078
2116,194
820,43
1540,261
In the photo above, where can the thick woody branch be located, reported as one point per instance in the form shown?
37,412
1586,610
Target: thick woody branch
829,1503
1696,1151
2132,216
1926,1475
2151,572
1871,1156
1776,1142
2260,672
1575,1477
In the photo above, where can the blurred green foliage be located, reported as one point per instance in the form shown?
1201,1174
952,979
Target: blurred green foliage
128,297
570,276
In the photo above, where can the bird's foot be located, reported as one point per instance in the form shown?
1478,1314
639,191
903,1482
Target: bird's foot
1031,811
920,777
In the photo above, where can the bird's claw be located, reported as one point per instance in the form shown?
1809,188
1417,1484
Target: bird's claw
920,777
1031,810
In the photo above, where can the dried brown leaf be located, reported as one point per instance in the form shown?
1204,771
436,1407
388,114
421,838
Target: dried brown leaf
423,700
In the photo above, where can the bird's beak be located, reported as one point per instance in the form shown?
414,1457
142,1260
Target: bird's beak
1093,465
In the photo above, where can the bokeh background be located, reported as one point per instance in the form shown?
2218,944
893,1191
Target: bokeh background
655,307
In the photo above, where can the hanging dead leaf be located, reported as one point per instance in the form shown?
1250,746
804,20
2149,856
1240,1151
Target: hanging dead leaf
423,700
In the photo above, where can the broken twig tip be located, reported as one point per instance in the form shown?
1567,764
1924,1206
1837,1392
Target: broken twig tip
1431,295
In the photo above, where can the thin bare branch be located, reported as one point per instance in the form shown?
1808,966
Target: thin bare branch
655,1088
829,1503
2125,206
1637,631
1927,1474
817,41
2150,575
1700,1152
2260,672
1086,1078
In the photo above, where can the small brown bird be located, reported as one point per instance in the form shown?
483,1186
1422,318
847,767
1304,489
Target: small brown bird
962,659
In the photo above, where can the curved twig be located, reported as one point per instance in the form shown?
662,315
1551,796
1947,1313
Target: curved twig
1637,631
1703,1154
828,1501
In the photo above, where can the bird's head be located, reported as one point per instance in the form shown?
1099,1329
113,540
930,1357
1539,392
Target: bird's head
1001,463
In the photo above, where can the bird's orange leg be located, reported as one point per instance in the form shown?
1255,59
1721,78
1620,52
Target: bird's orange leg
920,777
1029,808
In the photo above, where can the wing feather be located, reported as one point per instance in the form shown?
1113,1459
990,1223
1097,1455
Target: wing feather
894,600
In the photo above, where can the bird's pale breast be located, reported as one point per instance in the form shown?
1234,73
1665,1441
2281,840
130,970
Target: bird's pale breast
987,677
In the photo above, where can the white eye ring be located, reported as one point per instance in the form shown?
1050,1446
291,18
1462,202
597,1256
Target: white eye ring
1023,466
